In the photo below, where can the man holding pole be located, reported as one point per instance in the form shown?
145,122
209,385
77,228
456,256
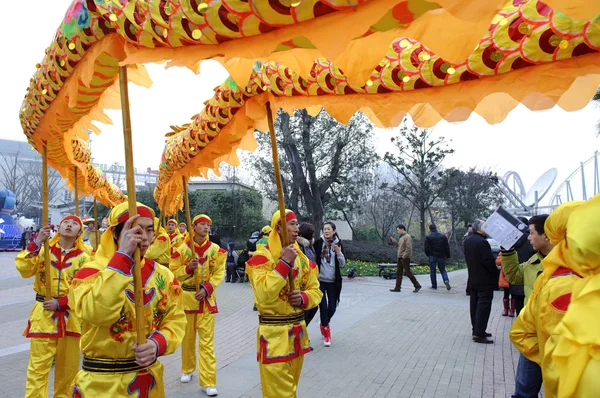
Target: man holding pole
174,234
183,231
53,329
200,273
285,284
89,234
114,364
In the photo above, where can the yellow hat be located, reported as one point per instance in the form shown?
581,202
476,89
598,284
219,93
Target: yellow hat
117,215
266,230
201,218
172,221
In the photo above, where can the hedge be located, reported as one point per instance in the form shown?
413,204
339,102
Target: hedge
363,268
375,252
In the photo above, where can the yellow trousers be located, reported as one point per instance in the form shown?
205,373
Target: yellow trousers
280,380
141,384
204,326
41,353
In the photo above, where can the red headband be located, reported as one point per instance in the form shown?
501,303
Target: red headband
290,216
172,222
203,219
142,211
182,223
74,218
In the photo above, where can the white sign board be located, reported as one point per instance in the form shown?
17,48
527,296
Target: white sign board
504,228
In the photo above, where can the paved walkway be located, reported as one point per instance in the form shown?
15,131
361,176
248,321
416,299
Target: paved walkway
384,344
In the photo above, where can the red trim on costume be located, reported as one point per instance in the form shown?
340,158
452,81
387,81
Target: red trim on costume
282,269
32,247
312,264
160,341
175,255
304,299
295,331
142,211
222,251
561,271
147,270
561,303
209,288
83,273
188,270
162,238
175,282
74,218
257,260
122,263
63,303
73,334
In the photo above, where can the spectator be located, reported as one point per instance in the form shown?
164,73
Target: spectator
505,286
251,243
306,239
483,278
404,244
214,237
231,263
330,258
524,251
438,251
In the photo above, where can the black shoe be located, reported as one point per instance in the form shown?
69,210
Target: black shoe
447,283
417,289
394,290
486,334
482,340
434,288
226,281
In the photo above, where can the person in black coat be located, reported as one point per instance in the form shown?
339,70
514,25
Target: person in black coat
437,250
524,252
330,258
483,278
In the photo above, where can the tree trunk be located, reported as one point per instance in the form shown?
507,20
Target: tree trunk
422,221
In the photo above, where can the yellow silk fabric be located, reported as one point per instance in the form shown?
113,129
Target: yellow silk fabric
576,349
42,351
160,249
280,380
210,270
202,325
41,322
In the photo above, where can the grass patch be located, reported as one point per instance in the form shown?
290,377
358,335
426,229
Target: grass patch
364,268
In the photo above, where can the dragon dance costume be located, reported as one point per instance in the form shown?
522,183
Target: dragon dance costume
54,335
200,314
282,338
160,249
176,238
103,298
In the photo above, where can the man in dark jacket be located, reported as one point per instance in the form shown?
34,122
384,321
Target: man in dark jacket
438,251
483,277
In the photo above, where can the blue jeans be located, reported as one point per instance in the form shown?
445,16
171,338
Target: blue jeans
528,380
441,264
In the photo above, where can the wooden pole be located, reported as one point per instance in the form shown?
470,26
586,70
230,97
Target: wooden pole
76,193
97,224
161,219
45,220
283,223
137,268
186,201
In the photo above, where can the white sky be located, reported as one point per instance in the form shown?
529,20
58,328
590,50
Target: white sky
527,142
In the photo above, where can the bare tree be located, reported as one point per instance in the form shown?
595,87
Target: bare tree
12,178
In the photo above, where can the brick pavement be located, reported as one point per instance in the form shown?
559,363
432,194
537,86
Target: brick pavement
384,344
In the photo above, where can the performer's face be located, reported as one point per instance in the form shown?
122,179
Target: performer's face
182,228
147,225
202,229
69,229
292,230
91,226
171,228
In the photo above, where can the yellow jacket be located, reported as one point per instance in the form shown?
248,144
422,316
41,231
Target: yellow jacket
160,249
30,262
269,281
210,274
103,299
91,237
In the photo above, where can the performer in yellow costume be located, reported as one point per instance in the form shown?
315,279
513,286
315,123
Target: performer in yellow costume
264,237
53,328
174,235
183,231
103,298
575,343
282,338
550,298
208,265
89,234
160,249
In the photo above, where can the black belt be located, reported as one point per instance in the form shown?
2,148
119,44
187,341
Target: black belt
189,288
104,365
42,299
280,319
